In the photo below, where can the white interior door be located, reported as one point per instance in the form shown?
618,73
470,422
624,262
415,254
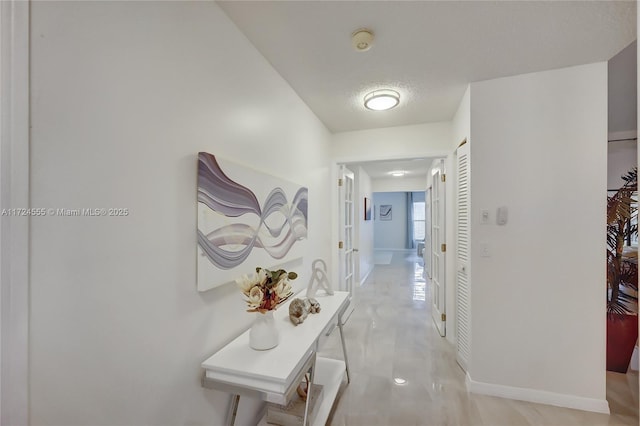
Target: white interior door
426,254
438,247
347,234
14,241
463,265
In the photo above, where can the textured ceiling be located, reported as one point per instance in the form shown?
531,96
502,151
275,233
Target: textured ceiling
427,50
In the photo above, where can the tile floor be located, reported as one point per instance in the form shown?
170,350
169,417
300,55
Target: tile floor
391,335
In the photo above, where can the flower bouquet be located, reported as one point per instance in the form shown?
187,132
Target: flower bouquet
266,289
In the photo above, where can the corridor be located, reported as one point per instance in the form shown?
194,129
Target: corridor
404,373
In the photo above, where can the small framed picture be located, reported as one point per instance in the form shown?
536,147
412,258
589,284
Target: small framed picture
367,209
385,212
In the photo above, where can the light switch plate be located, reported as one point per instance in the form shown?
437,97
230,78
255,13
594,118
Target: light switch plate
502,215
484,217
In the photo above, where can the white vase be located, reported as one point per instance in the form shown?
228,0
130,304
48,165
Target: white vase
264,333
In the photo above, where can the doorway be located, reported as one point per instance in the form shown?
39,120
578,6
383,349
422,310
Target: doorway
369,178
438,246
347,234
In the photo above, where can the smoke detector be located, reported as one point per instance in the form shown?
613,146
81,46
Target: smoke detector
362,39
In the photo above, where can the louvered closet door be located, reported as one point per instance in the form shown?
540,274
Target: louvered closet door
463,264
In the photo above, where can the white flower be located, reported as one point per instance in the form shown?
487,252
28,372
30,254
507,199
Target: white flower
283,288
255,297
245,283
261,276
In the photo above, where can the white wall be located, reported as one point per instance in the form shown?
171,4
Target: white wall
538,146
124,95
621,157
622,97
14,230
364,235
398,184
420,140
390,234
623,88
461,122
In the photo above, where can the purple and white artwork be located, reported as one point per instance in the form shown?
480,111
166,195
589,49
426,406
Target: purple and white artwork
245,219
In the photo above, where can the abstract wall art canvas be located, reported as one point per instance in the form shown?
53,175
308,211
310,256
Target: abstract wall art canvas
245,219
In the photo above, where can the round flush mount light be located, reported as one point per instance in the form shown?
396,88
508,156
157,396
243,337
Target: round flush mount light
381,100
399,381
362,39
398,173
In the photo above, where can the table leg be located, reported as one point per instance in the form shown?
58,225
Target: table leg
344,349
306,420
233,410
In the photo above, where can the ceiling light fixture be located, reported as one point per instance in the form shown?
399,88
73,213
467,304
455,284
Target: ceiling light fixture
381,100
398,173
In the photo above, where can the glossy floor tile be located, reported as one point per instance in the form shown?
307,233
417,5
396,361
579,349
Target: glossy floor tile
404,373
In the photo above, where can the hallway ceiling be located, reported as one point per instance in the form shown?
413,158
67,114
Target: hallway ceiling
427,50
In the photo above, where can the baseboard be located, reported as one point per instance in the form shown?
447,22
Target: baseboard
393,249
633,365
538,396
624,135
365,277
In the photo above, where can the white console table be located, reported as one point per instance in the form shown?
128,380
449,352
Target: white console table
273,375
